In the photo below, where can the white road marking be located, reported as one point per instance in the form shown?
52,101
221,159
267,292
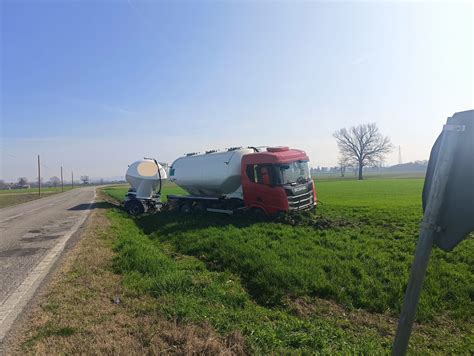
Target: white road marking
12,217
17,300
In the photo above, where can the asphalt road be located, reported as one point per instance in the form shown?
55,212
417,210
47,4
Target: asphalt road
32,237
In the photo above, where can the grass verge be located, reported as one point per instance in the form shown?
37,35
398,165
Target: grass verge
87,309
17,196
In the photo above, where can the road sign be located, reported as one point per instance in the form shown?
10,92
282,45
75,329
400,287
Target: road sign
448,210
456,217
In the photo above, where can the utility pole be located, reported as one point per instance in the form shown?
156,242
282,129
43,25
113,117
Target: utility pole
62,184
39,177
72,179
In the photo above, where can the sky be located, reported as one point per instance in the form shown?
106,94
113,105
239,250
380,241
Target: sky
95,85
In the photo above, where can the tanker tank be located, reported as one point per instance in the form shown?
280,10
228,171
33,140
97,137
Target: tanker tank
214,174
144,177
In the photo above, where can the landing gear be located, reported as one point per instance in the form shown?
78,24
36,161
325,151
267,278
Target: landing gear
137,206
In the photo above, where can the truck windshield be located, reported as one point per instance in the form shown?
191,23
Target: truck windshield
295,172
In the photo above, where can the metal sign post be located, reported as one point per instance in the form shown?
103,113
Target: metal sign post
39,177
62,183
429,228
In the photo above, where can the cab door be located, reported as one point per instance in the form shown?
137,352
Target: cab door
260,189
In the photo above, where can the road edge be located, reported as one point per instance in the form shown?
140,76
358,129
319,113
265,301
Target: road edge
23,298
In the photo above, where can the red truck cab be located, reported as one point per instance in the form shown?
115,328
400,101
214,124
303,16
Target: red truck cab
277,180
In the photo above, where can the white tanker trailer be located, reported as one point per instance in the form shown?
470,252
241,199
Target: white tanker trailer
145,178
215,174
271,180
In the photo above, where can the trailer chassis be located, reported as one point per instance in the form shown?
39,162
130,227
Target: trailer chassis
188,203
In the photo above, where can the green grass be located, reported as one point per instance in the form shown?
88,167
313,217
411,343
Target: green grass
361,260
33,190
370,175
118,192
187,291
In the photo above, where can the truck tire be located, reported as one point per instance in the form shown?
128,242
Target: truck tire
134,207
258,214
185,208
200,207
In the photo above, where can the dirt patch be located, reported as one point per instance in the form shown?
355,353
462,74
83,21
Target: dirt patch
86,311
310,307
382,325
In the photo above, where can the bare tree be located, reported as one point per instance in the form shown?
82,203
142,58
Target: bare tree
363,145
54,181
343,163
85,180
22,181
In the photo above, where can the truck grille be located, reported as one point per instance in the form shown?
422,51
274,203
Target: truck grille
302,201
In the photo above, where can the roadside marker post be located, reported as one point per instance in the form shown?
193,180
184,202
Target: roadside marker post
39,177
448,193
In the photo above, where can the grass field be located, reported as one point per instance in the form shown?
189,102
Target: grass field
32,190
118,192
268,279
369,175
18,196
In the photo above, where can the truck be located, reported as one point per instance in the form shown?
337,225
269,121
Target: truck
266,181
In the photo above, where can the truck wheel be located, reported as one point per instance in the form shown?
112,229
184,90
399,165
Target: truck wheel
185,208
259,214
134,207
200,207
